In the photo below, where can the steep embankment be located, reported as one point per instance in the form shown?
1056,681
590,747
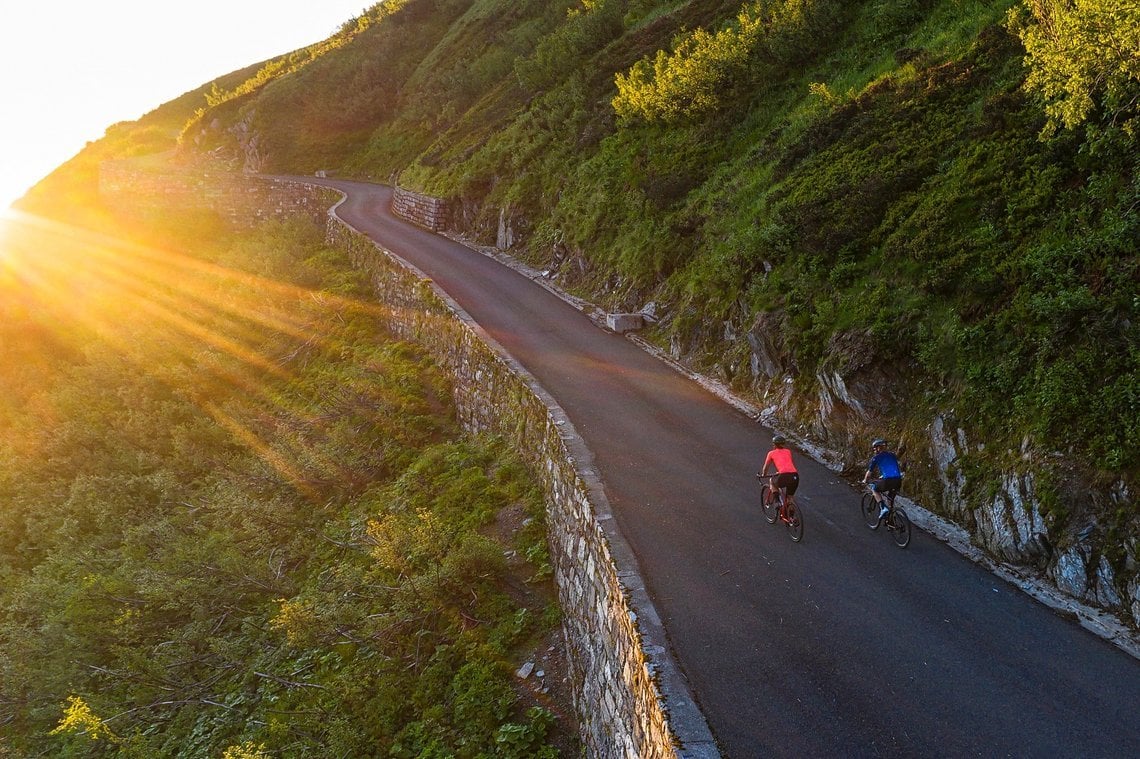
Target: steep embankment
854,212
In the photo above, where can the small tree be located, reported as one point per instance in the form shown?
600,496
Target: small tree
689,80
1083,56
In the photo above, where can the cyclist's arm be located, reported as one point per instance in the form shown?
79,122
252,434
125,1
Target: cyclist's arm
767,461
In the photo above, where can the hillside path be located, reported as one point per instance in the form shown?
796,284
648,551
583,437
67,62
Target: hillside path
842,645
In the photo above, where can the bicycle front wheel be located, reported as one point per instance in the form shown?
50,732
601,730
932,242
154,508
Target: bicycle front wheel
771,505
899,523
870,511
794,518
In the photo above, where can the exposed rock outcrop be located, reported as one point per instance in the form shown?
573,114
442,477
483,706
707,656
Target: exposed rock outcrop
765,339
855,393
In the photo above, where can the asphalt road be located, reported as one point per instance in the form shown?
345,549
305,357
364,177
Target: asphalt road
842,645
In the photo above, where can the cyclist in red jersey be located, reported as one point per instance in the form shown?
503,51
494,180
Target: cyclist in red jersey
780,458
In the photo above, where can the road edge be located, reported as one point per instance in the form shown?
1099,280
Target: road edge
1096,621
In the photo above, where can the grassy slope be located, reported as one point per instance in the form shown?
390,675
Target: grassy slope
908,203
992,266
248,517
992,271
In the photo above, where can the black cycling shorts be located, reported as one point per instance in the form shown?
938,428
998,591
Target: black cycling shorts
887,484
788,480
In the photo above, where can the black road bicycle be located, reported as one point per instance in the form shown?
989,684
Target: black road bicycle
896,520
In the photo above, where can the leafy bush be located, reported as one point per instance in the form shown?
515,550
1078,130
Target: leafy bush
583,32
688,80
703,67
1083,57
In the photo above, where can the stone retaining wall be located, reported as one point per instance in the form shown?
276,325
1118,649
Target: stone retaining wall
630,698
242,199
616,675
424,210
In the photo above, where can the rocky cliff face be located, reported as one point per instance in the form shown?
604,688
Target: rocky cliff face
234,148
249,145
853,396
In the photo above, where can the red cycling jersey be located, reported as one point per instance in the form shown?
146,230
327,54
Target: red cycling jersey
781,458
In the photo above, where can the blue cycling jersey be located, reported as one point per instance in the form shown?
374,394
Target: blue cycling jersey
887,464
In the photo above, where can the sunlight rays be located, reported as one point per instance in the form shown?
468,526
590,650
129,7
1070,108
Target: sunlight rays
263,450
173,316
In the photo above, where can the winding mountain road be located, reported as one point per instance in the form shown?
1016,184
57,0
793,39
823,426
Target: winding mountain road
842,645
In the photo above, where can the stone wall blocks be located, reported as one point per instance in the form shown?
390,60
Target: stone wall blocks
619,717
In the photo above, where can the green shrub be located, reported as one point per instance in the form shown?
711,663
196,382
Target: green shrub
688,80
196,526
1082,58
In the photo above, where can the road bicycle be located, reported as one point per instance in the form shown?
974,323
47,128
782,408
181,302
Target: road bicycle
896,520
781,507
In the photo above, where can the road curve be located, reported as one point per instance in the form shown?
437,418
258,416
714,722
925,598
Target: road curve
842,645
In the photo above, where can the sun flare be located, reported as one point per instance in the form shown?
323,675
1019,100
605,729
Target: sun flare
201,328
7,219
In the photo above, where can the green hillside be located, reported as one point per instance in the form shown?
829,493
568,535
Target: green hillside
875,218
238,518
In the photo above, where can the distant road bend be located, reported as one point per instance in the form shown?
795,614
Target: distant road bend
842,645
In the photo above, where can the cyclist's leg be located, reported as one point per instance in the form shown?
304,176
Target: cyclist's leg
875,491
780,483
890,487
788,482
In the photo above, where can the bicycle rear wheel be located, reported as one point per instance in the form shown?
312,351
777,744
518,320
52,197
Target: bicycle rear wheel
870,510
794,518
899,524
771,504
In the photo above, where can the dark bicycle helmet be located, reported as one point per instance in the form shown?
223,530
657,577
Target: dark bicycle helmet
779,440
878,443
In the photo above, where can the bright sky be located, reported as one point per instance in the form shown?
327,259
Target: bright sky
71,68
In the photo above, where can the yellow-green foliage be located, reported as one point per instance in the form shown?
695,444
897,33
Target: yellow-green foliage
247,750
703,66
587,6
1082,55
78,718
688,81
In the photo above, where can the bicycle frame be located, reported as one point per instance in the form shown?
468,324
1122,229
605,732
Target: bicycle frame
779,506
896,519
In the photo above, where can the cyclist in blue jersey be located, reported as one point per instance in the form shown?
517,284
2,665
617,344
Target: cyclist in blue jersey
890,473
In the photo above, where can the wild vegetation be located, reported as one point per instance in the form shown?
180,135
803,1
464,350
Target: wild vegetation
843,165
237,519
940,192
